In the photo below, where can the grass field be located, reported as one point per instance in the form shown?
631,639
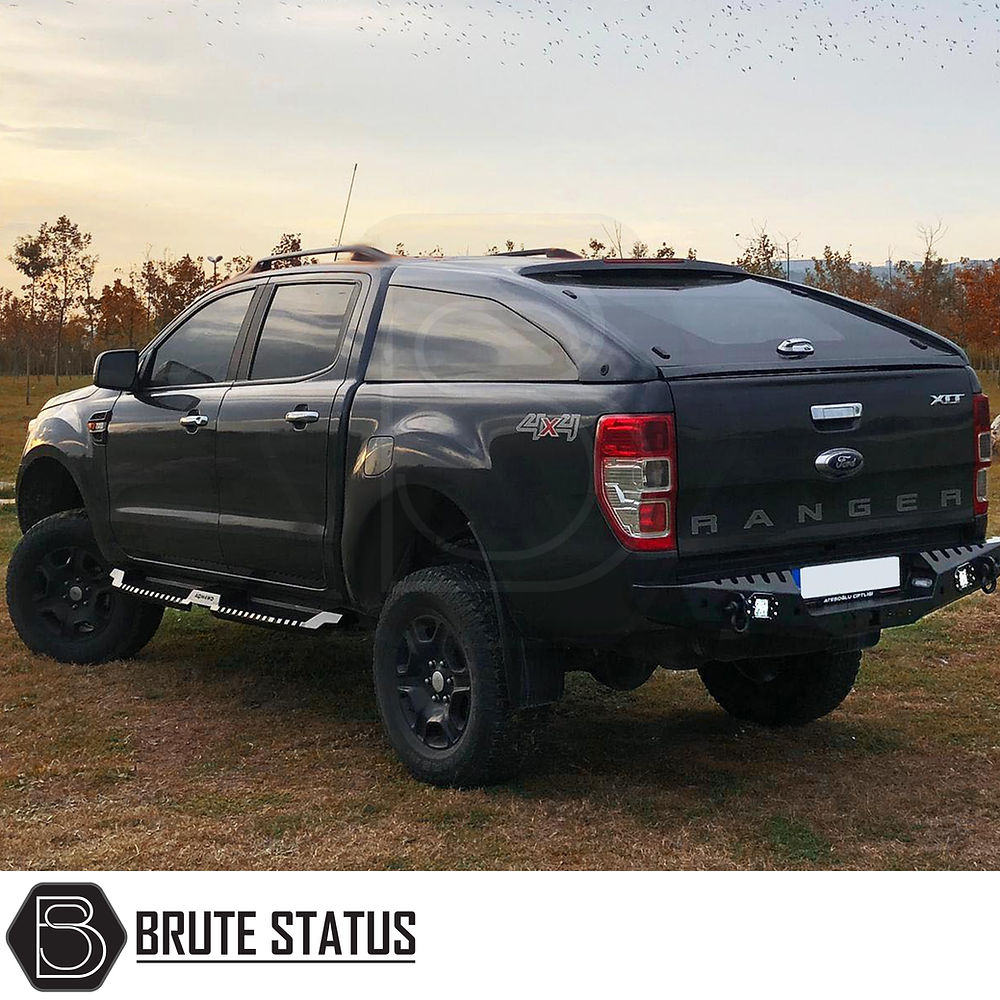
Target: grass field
224,746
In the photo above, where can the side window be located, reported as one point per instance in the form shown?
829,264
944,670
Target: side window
198,351
426,336
303,329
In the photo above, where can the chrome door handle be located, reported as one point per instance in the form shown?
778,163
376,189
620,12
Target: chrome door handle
836,411
302,416
194,420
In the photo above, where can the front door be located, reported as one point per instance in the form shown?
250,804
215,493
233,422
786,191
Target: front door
277,435
162,480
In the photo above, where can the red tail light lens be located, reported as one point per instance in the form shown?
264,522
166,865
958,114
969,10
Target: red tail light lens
635,476
983,452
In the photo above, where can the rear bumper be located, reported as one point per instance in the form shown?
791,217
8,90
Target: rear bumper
722,612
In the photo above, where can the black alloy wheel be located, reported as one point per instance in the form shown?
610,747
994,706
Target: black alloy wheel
433,681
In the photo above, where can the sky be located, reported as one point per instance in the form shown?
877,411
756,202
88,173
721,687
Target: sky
212,126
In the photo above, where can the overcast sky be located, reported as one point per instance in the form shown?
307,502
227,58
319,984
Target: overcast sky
211,127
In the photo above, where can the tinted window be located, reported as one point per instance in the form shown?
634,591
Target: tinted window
438,336
199,350
735,320
303,330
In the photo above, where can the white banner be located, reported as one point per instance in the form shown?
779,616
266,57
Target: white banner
452,934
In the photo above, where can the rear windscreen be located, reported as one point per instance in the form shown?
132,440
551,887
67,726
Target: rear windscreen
705,320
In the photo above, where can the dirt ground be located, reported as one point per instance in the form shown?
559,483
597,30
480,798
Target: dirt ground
224,746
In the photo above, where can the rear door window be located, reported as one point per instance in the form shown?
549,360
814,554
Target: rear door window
303,329
428,336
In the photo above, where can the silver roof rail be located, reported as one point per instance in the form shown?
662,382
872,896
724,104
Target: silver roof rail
557,252
358,251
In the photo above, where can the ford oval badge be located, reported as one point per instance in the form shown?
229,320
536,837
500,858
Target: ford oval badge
840,463
796,347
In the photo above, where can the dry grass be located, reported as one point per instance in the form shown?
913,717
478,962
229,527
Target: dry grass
224,746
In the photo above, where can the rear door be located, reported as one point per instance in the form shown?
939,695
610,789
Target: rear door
277,455
161,439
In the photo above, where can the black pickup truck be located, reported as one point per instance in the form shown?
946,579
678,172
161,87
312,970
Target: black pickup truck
512,467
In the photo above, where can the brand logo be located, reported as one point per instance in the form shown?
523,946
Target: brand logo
948,399
840,463
542,425
66,937
796,347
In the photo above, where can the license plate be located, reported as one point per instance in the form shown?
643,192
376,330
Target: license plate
848,579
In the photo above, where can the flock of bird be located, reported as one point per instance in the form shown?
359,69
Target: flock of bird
641,33
747,32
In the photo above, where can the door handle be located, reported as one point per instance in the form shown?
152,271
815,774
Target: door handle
302,416
193,421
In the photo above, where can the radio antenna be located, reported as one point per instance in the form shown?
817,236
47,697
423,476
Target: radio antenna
347,205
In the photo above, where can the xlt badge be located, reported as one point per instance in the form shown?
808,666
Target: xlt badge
948,399
840,463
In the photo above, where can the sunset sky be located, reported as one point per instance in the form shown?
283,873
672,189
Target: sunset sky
211,127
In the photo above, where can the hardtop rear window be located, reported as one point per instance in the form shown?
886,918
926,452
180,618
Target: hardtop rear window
715,318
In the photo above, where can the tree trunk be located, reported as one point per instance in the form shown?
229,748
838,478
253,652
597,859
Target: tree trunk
58,339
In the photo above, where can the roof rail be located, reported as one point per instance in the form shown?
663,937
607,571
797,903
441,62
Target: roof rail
358,251
558,252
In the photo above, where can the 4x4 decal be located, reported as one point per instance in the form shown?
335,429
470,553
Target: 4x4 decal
542,425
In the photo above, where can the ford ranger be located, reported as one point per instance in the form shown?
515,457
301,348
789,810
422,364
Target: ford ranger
511,467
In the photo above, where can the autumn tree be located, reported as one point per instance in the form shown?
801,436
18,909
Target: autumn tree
980,314
121,316
836,272
761,256
30,258
70,268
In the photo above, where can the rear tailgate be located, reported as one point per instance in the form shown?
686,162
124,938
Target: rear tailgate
747,450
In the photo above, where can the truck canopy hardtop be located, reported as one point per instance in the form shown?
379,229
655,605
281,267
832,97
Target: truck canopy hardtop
641,319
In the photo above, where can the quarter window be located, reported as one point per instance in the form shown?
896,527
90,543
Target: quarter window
199,351
427,336
303,329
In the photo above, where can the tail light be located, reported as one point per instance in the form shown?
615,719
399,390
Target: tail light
635,476
984,452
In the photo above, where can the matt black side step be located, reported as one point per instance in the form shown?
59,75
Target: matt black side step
177,596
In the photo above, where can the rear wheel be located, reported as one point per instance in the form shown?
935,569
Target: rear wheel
619,672
784,691
61,600
440,680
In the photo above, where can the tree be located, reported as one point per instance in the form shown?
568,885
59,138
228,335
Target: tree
63,281
120,316
836,272
290,243
980,316
30,257
761,256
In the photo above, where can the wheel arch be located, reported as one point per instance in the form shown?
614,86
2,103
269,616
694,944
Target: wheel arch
437,531
411,528
45,486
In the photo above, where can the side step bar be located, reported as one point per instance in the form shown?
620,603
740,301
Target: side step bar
177,596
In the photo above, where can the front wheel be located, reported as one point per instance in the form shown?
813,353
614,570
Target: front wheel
61,600
783,691
440,680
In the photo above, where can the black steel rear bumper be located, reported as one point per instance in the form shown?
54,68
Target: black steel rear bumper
727,608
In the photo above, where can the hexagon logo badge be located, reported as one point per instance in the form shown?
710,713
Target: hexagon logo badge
66,937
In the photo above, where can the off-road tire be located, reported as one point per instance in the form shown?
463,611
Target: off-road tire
617,671
122,625
784,691
491,739
147,621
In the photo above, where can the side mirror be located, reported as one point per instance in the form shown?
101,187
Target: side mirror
116,369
